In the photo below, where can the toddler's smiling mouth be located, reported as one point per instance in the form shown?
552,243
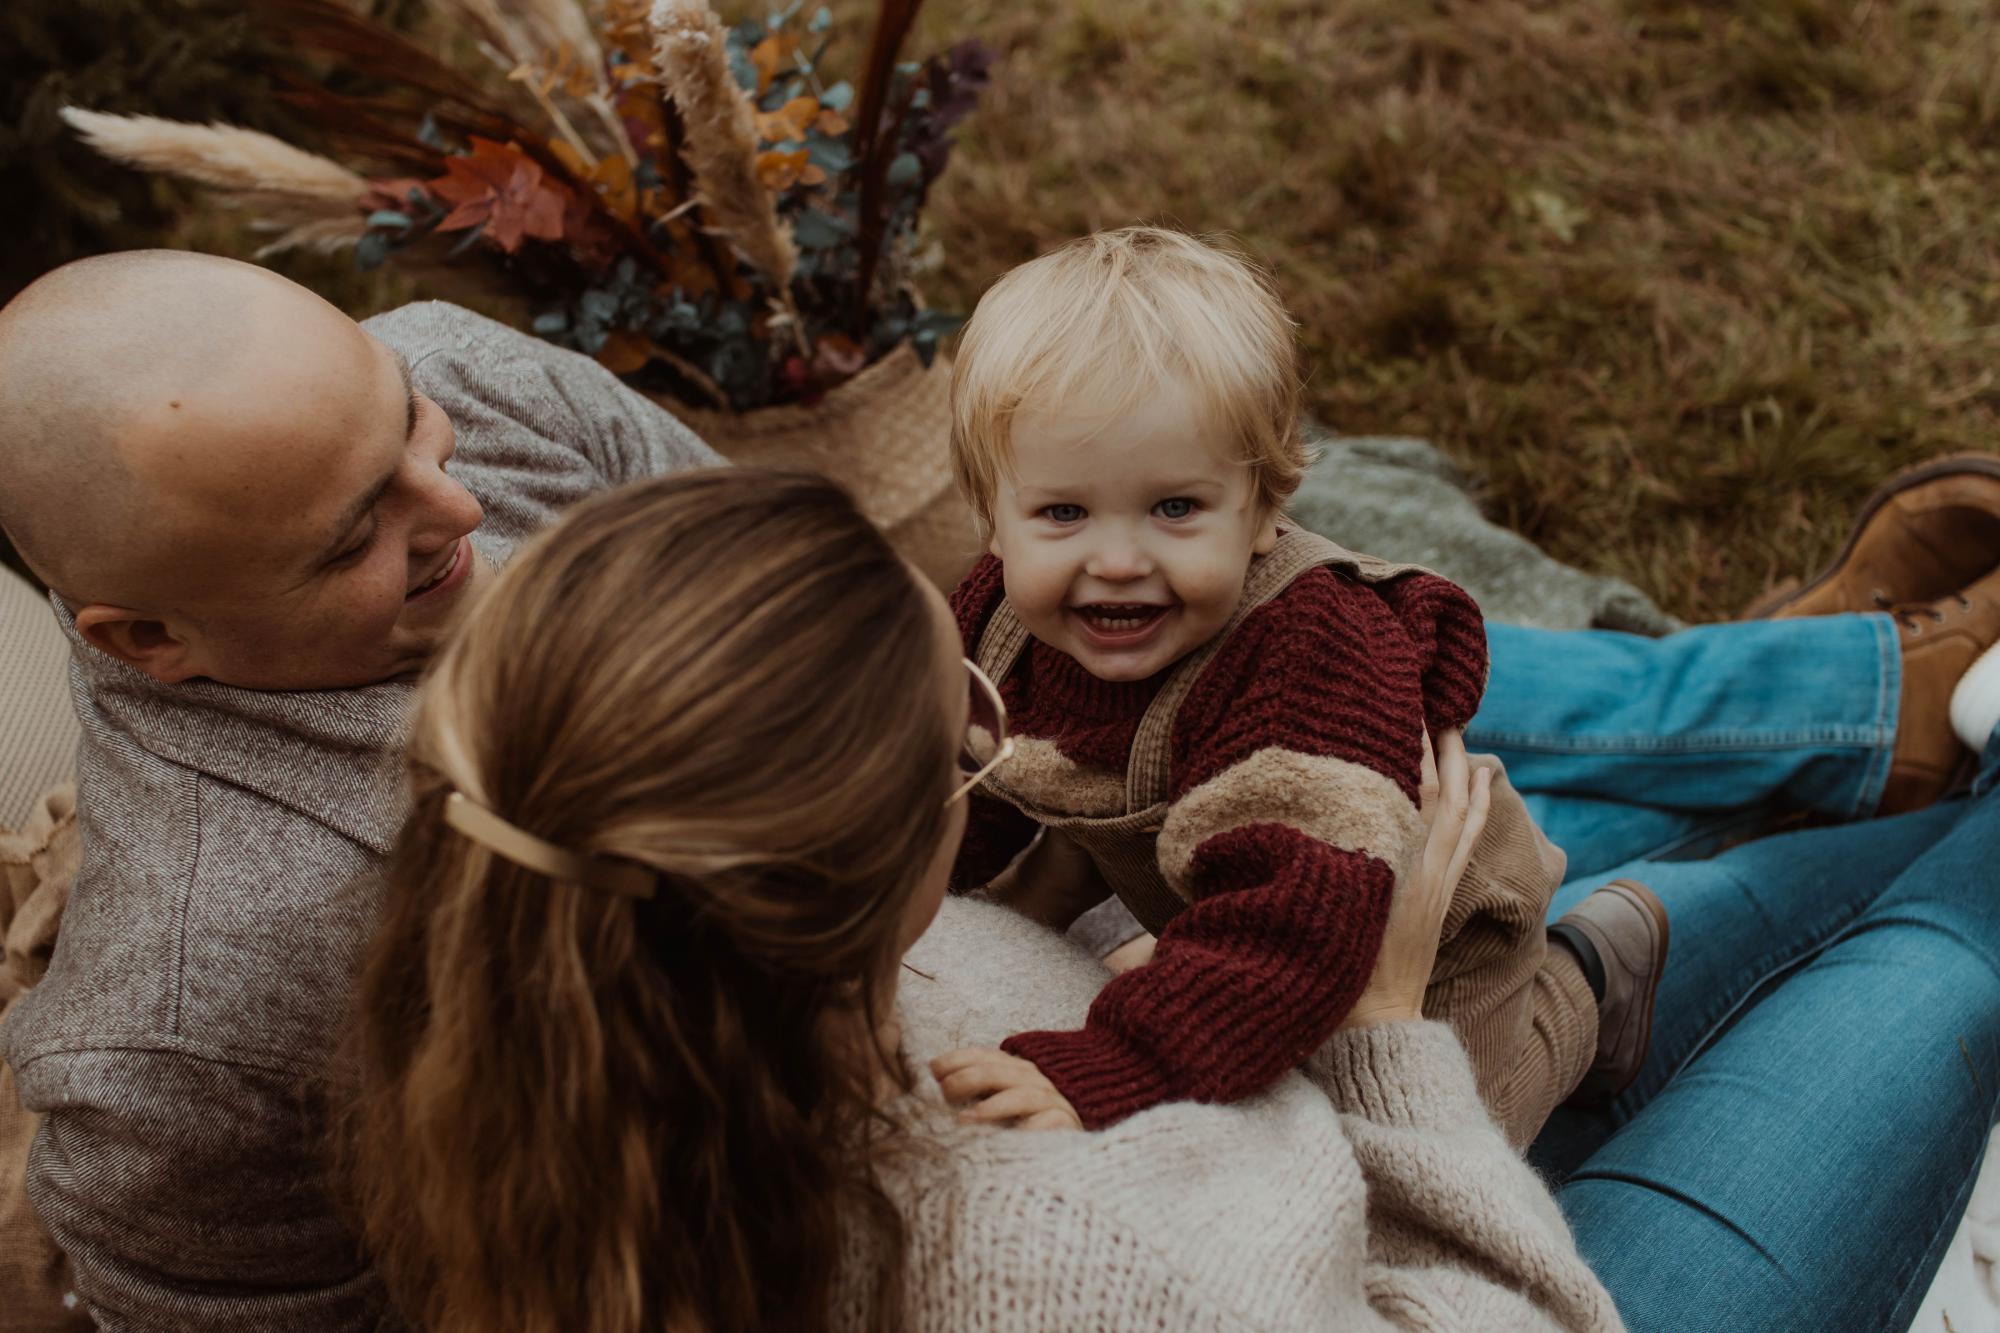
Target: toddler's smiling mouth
1119,624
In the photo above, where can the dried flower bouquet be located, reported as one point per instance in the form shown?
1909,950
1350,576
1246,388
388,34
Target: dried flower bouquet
695,205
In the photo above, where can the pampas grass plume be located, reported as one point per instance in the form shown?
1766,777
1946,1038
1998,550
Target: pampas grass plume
314,198
721,143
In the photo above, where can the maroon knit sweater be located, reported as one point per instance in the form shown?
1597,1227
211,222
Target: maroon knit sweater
1295,762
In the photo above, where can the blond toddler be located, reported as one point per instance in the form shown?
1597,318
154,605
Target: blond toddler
1224,719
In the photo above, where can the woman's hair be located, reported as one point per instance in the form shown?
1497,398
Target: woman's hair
592,1113
1116,314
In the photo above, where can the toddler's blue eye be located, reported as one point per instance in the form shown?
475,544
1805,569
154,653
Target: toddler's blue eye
1063,513
1175,508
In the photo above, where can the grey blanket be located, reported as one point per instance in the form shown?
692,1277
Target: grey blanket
1403,500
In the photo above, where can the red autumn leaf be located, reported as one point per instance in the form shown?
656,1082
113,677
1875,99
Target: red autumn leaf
836,357
498,185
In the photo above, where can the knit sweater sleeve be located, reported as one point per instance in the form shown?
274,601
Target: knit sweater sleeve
1372,1193
995,832
1448,634
1462,1232
1296,763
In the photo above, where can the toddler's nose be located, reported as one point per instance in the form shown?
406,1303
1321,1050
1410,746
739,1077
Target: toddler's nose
1118,562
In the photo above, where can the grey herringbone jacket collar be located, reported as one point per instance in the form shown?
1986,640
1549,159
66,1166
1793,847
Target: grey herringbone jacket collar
330,755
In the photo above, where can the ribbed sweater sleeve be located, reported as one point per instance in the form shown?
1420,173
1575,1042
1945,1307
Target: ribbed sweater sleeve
1458,1207
1296,760
995,832
1449,635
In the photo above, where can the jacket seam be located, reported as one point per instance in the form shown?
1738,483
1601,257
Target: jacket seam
172,1047
185,906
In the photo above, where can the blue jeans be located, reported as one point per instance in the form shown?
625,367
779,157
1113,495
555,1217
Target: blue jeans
1825,1060
1626,746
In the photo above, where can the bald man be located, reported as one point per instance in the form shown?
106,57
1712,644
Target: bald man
258,519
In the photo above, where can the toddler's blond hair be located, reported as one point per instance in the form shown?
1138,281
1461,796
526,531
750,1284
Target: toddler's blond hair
1122,312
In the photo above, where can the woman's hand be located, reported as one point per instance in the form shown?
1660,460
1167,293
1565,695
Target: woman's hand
1000,1086
1454,806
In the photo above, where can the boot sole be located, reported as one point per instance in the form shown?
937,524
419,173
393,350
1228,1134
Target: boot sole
1771,603
1648,900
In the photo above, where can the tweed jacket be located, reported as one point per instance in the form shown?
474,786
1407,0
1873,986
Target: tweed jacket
230,843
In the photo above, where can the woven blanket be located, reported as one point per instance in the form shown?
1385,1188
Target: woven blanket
1404,500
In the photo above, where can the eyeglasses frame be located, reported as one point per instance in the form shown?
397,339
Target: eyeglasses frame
1004,750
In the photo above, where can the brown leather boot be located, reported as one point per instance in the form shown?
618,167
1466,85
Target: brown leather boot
1625,923
1940,640
1927,531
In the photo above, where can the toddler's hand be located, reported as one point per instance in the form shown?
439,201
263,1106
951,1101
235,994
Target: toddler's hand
999,1086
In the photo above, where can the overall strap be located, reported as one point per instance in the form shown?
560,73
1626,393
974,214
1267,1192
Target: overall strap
1001,643
1147,776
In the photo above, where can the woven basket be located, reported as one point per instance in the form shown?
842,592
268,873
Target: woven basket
885,436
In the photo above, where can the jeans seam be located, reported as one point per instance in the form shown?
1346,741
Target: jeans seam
1862,737
1954,1214
1888,704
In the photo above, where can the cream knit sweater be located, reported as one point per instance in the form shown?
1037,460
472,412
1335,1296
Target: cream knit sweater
1369,1191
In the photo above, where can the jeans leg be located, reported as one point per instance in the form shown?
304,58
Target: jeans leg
1627,746
1742,921
1805,1163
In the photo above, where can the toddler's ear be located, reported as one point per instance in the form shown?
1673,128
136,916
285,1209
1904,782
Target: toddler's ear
1267,532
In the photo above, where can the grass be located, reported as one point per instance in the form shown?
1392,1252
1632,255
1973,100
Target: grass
1680,282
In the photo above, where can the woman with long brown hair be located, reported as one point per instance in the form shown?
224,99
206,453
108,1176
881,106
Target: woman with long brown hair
638,1047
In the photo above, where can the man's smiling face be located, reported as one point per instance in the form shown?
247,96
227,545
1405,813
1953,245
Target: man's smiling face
312,536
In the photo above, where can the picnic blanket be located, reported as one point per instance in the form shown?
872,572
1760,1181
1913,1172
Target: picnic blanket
38,863
1405,501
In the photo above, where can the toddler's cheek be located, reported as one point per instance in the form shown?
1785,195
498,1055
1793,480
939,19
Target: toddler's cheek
1036,593
1211,591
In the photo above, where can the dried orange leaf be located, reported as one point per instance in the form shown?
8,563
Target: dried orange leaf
767,55
570,158
624,352
613,179
779,169
788,121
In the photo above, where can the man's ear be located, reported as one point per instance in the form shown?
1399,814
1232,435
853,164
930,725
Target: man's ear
137,640
1267,531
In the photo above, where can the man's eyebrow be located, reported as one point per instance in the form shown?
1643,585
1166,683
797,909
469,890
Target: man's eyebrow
349,517
352,514
409,392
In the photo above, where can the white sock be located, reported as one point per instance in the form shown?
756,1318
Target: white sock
1975,703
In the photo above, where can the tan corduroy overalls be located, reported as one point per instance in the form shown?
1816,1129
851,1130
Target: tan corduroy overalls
1528,1022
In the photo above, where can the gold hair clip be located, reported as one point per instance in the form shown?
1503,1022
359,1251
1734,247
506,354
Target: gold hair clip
628,879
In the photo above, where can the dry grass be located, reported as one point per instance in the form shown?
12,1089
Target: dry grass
1680,281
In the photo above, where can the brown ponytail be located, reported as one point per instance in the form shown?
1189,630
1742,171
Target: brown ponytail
584,1112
